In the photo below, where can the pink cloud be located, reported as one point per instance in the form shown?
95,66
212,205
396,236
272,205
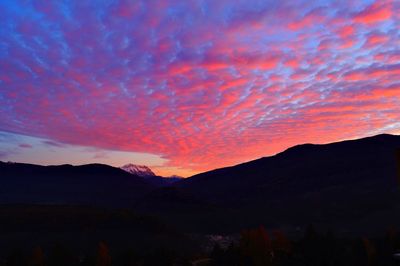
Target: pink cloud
346,31
377,12
376,39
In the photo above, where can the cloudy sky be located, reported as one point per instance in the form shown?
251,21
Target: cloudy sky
190,85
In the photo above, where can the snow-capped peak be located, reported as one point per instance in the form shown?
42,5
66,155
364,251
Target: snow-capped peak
140,170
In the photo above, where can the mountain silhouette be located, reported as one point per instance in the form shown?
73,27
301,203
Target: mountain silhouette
347,186
366,164
91,184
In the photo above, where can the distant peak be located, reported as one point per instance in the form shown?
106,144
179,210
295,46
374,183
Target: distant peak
140,170
175,177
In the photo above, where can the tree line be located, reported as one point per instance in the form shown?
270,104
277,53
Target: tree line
256,247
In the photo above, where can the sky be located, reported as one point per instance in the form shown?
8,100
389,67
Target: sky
186,86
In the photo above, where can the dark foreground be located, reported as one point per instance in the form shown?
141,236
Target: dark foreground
100,215
253,248
68,235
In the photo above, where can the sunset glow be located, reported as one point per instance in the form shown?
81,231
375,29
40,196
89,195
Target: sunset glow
188,86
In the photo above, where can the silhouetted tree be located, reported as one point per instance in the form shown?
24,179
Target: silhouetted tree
255,247
370,251
37,258
281,242
103,255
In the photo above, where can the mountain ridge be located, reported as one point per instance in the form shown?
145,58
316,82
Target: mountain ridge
337,185
298,147
89,184
347,186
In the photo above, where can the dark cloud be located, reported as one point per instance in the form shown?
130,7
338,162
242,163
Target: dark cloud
53,143
25,145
